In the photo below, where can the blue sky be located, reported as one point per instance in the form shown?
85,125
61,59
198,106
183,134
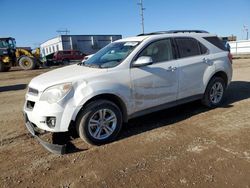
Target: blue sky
34,21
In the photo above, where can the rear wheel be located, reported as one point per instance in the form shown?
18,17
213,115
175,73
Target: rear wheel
99,123
214,93
27,63
65,62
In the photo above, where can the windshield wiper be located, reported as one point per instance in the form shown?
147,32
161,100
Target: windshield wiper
91,65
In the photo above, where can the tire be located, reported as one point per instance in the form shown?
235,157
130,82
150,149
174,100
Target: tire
38,65
6,69
214,94
101,132
3,68
27,63
65,62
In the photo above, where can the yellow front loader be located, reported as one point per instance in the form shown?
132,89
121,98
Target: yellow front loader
26,59
11,56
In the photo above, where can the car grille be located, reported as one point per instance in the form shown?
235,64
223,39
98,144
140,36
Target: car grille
33,91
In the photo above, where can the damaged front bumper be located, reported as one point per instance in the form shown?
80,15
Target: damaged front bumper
53,148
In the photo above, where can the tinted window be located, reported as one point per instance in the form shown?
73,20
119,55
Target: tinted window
188,47
66,52
159,51
217,42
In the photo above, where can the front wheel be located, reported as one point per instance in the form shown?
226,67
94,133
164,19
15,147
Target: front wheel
27,63
99,123
214,93
3,67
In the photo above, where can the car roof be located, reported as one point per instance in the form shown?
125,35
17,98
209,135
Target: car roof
160,34
6,38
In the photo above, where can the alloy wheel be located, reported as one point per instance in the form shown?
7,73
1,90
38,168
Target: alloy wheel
216,92
102,124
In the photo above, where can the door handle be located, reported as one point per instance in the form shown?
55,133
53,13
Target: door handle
207,61
172,69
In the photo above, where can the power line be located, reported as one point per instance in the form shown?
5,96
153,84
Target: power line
142,9
65,31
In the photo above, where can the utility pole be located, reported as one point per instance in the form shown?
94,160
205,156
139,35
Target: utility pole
245,28
142,14
65,31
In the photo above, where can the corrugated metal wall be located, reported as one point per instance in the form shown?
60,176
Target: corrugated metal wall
87,44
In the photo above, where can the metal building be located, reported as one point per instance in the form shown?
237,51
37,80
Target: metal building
87,44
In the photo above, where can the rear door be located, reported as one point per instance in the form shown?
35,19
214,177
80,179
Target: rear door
193,63
67,55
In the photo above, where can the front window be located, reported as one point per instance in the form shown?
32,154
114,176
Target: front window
159,51
112,55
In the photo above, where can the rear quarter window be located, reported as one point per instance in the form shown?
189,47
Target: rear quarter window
216,42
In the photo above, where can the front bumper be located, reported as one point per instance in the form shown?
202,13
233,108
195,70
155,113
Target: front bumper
53,148
38,113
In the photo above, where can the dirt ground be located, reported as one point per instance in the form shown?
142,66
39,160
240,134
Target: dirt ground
185,146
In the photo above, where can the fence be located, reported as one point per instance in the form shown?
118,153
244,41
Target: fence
240,47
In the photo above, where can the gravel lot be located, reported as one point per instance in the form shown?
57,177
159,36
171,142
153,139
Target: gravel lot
185,146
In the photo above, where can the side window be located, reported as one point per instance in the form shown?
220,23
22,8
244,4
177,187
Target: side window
159,51
66,52
188,47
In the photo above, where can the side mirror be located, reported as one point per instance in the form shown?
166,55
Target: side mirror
143,61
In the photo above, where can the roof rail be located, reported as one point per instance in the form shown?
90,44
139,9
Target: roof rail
173,31
186,31
153,33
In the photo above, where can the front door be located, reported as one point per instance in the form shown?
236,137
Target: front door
155,84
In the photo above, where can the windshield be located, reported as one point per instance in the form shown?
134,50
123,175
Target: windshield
7,43
112,55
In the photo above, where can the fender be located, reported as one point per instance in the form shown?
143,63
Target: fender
84,93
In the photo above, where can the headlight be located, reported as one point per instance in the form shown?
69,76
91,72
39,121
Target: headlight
56,93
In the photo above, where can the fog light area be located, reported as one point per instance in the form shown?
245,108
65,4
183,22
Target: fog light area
51,122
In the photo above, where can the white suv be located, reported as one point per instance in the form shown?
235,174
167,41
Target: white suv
129,78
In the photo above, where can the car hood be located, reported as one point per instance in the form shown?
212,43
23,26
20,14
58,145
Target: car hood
70,73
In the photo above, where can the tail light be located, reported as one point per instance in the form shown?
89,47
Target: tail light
230,57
